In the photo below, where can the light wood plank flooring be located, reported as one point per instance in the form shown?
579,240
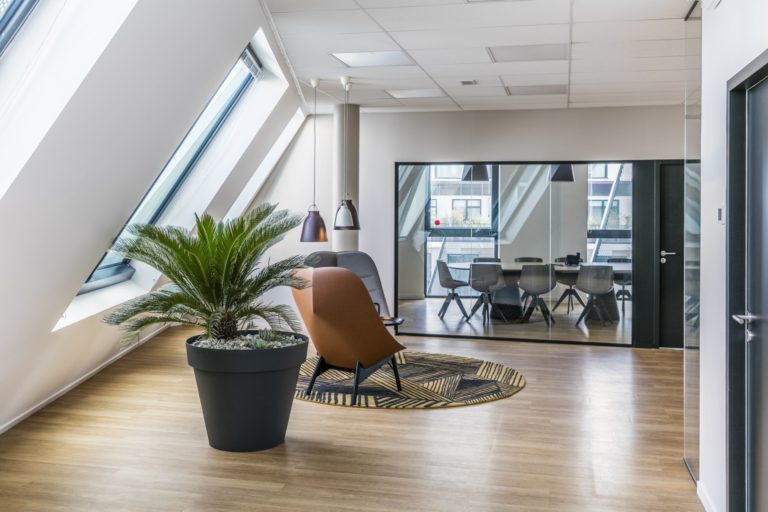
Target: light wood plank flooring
421,317
596,429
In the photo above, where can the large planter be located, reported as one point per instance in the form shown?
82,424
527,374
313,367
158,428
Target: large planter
246,395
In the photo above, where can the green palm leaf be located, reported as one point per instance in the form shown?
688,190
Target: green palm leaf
217,279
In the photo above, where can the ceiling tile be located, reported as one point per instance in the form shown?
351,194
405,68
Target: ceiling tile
455,81
628,76
481,37
527,52
302,44
628,49
613,10
498,68
470,91
638,64
660,97
451,56
309,5
405,3
463,16
319,23
642,30
627,87
535,79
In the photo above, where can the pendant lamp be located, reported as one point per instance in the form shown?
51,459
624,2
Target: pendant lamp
561,172
346,214
314,226
475,172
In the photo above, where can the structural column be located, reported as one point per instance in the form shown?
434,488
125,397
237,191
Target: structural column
343,240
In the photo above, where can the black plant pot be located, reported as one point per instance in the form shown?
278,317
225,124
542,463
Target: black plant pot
246,394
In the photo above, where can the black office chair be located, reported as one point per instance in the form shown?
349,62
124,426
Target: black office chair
623,279
449,283
486,279
535,281
595,280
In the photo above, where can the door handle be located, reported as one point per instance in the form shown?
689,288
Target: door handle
666,253
746,318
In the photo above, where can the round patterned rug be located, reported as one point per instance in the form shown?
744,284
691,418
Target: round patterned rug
428,381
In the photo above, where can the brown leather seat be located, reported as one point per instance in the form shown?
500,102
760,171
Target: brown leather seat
344,325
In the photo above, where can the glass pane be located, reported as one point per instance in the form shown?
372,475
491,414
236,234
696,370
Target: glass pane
184,158
692,242
451,215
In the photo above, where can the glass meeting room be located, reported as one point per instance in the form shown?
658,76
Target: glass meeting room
530,251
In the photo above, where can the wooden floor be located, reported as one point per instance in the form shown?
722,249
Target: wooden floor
596,429
421,317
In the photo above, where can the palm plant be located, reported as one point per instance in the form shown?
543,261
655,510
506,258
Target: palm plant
216,281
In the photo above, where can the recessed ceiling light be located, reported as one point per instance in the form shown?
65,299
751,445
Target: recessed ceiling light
530,90
519,53
369,59
416,93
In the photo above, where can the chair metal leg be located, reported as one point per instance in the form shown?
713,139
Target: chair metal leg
393,364
590,304
546,312
565,295
461,306
478,303
320,367
445,305
498,309
357,383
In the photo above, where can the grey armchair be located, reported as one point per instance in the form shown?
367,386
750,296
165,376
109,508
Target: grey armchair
487,279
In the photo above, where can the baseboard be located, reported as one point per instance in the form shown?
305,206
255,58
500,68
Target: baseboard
706,501
69,387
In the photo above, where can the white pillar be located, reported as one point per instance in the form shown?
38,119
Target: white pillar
345,240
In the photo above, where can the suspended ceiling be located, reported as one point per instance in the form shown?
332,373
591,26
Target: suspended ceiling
517,54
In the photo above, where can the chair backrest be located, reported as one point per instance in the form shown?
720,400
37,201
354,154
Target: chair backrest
358,262
528,259
340,320
482,276
595,279
619,260
444,273
321,259
485,259
537,279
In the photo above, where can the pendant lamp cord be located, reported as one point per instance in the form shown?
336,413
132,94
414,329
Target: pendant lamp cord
346,107
314,153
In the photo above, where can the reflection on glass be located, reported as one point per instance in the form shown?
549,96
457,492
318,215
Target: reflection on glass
513,213
692,225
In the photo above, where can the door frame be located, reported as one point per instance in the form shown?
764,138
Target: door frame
736,175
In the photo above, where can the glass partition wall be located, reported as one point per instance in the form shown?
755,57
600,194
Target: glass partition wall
536,251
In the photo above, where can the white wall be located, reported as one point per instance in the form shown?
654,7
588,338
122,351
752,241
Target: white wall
96,151
732,36
576,134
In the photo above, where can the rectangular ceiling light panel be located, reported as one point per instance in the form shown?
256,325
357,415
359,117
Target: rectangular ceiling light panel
526,90
416,93
532,52
370,59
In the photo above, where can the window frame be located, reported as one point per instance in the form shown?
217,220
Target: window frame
12,20
120,271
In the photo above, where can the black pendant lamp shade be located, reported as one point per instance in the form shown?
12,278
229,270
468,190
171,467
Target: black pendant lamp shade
475,172
314,225
346,214
561,172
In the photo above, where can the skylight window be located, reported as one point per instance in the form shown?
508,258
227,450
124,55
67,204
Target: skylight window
13,14
113,268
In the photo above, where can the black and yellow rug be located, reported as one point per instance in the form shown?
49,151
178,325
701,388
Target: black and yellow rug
428,381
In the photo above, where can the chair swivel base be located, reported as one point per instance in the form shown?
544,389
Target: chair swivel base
570,293
452,296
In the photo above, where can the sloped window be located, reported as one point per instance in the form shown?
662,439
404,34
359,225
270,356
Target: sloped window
13,14
113,268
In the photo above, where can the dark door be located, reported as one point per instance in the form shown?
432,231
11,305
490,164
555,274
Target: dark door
756,286
671,245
